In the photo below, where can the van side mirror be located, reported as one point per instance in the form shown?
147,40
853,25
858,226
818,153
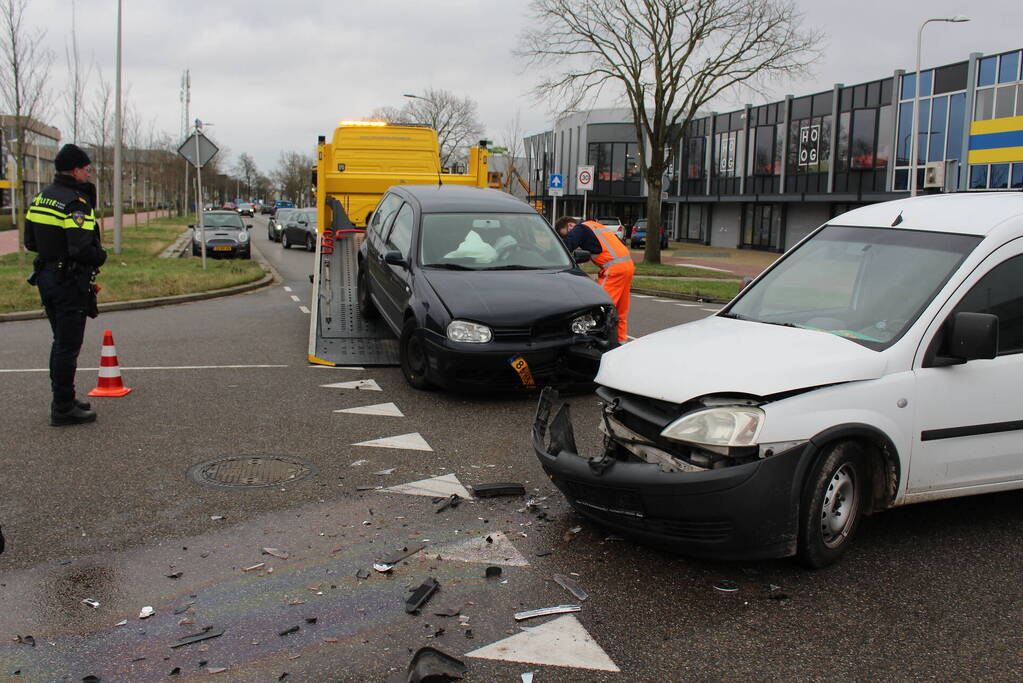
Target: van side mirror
581,256
968,336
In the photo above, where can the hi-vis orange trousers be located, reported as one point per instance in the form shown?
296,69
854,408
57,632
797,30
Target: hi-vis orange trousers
617,282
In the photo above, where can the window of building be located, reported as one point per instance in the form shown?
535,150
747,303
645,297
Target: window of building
1005,101
809,147
1017,177
762,226
693,221
861,145
956,120
1008,68
984,106
978,177
999,178
936,135
764,161
725,153
923,131
986,71
842,148
695,151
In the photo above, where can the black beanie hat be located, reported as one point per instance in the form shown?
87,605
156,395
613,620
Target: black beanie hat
71,157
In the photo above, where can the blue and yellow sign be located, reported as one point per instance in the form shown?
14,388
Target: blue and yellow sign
996,141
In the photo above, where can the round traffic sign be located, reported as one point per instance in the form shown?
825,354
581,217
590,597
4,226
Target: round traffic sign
584,177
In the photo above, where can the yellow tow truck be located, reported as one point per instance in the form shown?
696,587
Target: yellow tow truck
352,173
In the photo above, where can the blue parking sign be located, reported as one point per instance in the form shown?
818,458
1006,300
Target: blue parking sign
556,184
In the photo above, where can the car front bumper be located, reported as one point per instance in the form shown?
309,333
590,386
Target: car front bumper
567,362
747,511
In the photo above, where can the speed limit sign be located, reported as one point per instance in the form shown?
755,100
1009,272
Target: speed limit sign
584,178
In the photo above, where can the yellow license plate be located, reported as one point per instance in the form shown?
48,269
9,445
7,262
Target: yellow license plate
222,248
520,366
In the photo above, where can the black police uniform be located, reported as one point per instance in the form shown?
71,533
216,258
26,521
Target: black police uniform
61,227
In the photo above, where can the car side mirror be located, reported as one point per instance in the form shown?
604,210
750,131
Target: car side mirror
191,226
968,336
581,256
395,258
248,226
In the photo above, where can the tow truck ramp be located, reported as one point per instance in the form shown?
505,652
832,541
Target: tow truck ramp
338,335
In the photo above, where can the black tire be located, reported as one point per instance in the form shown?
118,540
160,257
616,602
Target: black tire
285,244
310,243
367,309
413,356
247,255
832,505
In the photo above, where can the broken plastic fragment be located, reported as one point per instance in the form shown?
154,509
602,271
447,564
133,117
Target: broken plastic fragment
289,631
217,518
122,622
452,501
499,489
206,634
368,488
358,463
362,574
430,665
254,567
421,594
26,640
571,586
174,575
401,553
216,669
91,603
382,567
279,554
387,471
146,612
448,612
544,611
726,586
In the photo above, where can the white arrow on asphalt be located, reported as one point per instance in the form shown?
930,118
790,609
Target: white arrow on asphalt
434,487
363,384
384,409
408,442
498,550
561,642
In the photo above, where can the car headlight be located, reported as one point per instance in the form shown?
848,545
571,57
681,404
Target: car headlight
584,324
243,236
470,333
721,426
197,235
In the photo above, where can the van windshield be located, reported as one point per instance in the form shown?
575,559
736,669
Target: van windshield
864,284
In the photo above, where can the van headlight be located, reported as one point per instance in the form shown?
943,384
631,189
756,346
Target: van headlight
469,333
721,426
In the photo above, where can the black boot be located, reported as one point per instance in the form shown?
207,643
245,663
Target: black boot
84,405
70,416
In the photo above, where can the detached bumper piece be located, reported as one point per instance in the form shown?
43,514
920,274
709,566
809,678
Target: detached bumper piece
745,511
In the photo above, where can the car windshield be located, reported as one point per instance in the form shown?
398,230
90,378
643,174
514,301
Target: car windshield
307,216
222,220
283,214
491,241
608,221
864,284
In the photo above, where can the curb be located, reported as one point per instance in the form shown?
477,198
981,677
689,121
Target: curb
269,277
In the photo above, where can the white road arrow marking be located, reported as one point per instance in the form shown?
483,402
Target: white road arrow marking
363,384
434,487
499,550
383,409
408,442
561,642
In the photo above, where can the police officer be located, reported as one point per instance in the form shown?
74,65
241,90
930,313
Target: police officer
61,227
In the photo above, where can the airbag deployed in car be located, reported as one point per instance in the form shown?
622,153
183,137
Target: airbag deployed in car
474,247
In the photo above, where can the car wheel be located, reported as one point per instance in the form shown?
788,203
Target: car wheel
310,244
284,241
367,309
247,255
832,505
413,356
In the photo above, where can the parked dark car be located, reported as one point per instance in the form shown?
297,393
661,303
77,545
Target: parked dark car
275,226
638,236
299,228
266,208
481,292
226,236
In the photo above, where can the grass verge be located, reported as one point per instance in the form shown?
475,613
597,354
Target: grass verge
702,288
137,272
668,270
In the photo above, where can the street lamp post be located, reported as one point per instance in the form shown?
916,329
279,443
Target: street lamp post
914,153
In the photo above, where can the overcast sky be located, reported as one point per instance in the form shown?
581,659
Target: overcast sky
271,75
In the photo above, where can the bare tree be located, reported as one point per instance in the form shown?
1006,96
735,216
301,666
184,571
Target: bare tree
513,149
78,79
98,133
24,89
247,171
667,58
292,176
455,119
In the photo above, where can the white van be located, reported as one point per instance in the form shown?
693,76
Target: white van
878,363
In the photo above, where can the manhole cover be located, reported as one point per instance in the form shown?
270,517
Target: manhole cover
250,471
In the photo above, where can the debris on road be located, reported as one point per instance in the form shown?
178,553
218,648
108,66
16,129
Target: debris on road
175,575
448,612
571,586
544,611
275,552
382,567
498,489
217,518
527,677
254,567
420,595
146,612
401,553
25,640
289,631
492,573
726,586
452,501
387,471
571,534
430,665
216,669
91,603
205,634
362,574
122,622
358,463
368,488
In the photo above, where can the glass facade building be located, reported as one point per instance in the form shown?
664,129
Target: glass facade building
764,176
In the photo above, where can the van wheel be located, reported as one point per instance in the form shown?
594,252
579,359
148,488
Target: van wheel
413,356
367,309
832,505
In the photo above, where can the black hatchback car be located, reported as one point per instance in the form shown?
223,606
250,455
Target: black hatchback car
481,292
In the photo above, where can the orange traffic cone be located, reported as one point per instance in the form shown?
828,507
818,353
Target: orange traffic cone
109,371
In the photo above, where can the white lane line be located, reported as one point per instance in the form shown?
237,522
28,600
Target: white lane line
295,298
304,309
665,301
287,289
642,296
711,310
688,305
154,367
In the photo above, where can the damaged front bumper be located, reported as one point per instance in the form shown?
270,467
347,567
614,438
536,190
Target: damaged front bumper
746,511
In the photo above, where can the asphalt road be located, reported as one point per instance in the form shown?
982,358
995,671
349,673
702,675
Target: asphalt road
107,512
